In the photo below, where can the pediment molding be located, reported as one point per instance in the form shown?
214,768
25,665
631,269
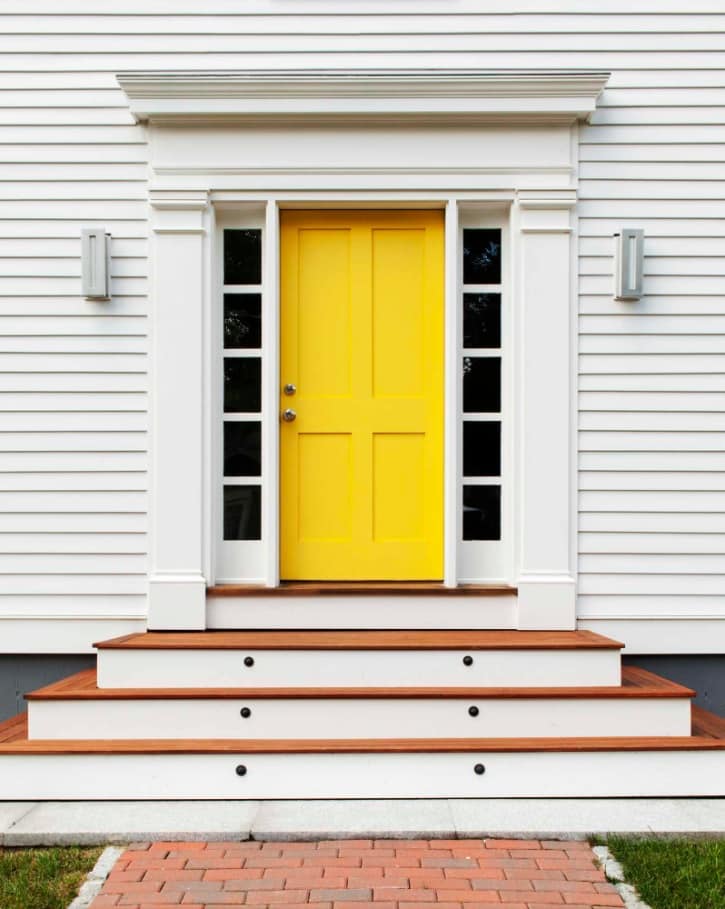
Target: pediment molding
332,96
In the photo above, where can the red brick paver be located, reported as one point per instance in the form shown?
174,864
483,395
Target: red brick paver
359,874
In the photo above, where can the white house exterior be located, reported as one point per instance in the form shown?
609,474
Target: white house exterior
576,459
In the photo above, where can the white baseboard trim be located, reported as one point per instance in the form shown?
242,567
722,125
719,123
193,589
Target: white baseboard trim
662,635
66,634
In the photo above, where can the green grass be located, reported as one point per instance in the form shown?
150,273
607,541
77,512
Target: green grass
674,874
43,878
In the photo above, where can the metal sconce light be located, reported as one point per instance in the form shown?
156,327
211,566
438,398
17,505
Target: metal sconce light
628,264
96,263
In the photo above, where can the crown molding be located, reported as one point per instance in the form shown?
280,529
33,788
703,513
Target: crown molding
324,96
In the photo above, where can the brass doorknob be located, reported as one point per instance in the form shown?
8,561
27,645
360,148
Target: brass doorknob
289,415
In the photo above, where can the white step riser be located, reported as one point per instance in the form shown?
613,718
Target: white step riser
127,668
343,719
508,775
354,612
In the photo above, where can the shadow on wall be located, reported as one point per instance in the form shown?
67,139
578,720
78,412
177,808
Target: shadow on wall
703,672
20,673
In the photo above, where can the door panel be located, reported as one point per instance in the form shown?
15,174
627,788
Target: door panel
362,341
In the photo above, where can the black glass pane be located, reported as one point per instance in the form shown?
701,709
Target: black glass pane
242,449
482,449
481,512
242,320
242,256
481,385
242,513
481,320
242,384
482,255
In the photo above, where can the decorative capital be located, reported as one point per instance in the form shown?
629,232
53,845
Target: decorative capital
540,212
181,212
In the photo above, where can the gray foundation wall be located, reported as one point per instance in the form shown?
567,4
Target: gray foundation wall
20,673
703,672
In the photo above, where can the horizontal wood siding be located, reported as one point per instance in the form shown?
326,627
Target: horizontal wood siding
652,374
73,383
73,374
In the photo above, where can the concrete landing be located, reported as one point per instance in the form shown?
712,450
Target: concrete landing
58,823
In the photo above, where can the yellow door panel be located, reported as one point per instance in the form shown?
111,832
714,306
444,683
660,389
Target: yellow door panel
398,477
362,340
323,319
324,465
398,312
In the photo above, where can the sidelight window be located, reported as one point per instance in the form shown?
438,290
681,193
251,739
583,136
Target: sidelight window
242,384
481,373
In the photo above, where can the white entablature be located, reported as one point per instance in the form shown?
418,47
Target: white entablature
459,96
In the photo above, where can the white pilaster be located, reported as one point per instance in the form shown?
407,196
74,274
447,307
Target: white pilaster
177,586
546,582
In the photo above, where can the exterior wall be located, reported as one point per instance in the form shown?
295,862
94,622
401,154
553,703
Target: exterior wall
74,384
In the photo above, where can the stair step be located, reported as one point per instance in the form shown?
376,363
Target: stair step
352,659
636,683
707,732
76,708
361,640
393,768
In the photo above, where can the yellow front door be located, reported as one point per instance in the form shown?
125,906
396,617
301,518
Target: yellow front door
362,344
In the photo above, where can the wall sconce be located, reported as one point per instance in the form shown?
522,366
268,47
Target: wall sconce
628,264
96,263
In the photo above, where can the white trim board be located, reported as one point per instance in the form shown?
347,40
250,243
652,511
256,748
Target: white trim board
63,634
659,635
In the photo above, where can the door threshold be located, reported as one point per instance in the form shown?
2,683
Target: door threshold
359,588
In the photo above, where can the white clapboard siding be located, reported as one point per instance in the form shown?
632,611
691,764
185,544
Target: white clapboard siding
652,374
73,374
57,267
83,478
658,382
649,460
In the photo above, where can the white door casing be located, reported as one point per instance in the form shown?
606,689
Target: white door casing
220,141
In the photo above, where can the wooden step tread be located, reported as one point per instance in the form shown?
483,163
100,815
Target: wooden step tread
358,588
636,683
14,740
362,640
708,724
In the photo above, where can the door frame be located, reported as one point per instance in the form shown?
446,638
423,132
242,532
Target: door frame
541,236
530,222
516,133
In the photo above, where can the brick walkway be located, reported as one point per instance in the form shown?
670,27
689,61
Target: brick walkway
359,874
